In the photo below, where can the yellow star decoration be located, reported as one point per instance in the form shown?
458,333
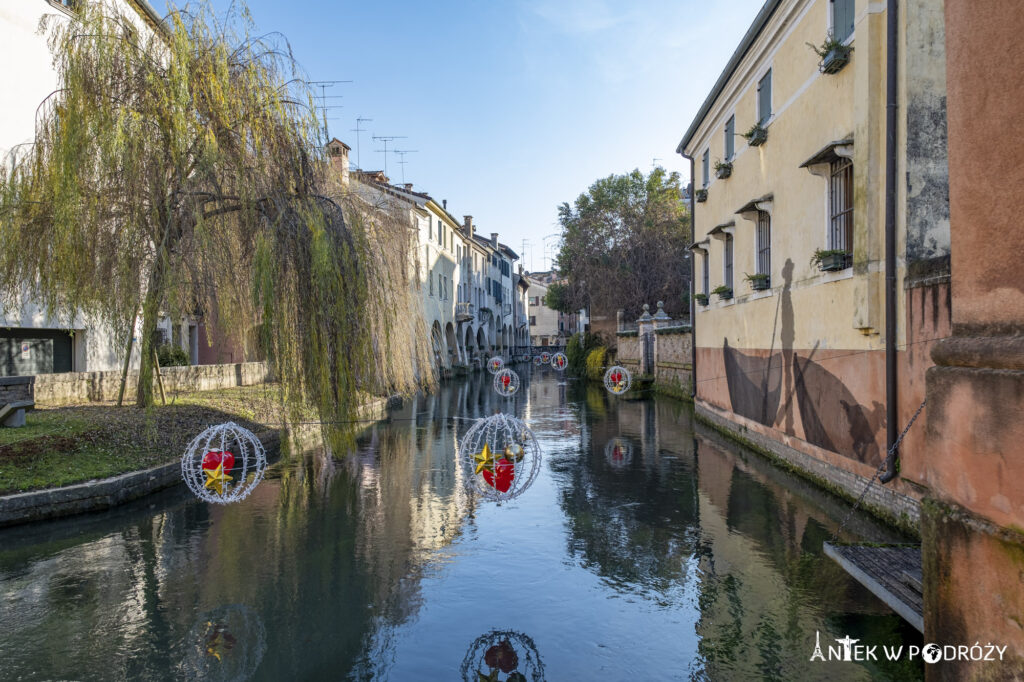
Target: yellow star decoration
216,478
484,459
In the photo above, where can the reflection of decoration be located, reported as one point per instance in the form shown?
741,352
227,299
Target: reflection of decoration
495,364
503,656
619,452
226,643
501,457
536,360
506,382
559,361
617,379
545,358
224,463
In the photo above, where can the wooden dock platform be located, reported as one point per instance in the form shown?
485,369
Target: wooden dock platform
891,572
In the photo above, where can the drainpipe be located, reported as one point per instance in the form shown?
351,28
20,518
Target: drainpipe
693,267
892,36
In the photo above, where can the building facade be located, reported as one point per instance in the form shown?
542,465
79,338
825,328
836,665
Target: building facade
789,155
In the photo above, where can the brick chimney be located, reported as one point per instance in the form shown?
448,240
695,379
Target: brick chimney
338,153
408,186
467,225
494,239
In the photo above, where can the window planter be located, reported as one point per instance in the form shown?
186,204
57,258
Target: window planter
757,135
831,260
723,169
833,53
724,292
701,196
759,281
701,299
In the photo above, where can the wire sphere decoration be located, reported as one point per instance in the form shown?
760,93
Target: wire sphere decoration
500,457
225,644
536,360
506,382
506,652
618,452
495,365
559,361
617,379
224,463
545,358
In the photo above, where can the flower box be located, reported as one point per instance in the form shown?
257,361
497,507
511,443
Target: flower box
834,261
723,170
834,60
756,136
701,196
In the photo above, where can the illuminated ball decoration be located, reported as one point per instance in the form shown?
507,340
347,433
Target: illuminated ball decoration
617,379
506,382
545,358
559,361
618,452
495,365
224,463
500,457
536,360
504,655
226,643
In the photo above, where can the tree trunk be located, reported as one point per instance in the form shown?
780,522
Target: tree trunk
150,315
127,362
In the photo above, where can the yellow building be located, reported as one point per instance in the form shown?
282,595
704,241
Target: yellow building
789,155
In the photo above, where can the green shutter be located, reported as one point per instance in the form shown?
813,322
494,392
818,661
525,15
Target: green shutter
842,18
764,98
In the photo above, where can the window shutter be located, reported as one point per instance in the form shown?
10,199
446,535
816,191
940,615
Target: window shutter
764,98
730,138
842,18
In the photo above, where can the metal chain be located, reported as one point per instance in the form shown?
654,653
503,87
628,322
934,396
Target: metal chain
881,466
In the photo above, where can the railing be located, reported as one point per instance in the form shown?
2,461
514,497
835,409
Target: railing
507,308
463,311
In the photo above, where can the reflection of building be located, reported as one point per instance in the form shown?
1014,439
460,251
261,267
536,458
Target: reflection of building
790,230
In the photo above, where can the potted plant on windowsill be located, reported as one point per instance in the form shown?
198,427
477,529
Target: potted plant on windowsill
756,136
701,196
701,298
723,169
833,53
759,281
830,260
724,292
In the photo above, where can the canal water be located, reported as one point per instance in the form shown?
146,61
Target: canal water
668,554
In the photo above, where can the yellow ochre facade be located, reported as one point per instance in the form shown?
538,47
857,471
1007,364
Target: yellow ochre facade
798,361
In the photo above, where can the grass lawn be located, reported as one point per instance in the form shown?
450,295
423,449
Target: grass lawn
64,445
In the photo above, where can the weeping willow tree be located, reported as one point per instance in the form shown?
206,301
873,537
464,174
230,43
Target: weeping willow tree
182,172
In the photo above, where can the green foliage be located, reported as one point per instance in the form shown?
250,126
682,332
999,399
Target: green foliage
723,291
558,298
624,244
821,254
184,173
577,349
830,44
170,355
596,363
702,299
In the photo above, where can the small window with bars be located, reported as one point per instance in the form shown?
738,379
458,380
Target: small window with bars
764,243
840,202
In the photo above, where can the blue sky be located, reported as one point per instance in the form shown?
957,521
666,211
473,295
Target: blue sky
514,106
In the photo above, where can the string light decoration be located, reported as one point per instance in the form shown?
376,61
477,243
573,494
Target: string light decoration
559,361
495,365
224,463
500,457
617,379
545,358
504,655
536,360
506,382
226,643
618,452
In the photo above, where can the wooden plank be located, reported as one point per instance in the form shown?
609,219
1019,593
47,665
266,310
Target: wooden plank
882,570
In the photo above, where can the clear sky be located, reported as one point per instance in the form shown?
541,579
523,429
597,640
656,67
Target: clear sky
513,106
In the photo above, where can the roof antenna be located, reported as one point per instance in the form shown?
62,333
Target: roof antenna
385,139
401,156
358,129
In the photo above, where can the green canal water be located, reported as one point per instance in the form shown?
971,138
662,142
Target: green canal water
677,555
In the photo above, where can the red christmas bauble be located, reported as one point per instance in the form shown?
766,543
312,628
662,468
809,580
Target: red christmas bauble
501,479
213,459
502,656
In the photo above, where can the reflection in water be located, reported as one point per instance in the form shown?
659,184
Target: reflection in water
502,656
619,452
227,643
692,558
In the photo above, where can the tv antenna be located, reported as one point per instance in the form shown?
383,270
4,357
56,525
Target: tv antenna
401,162
385,139
323,97
359,129
654,162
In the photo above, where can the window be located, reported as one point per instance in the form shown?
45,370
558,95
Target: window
842,18
440,236
764,98
430,230
730,138
706,165
533,320
704,274
431,278
728,260
840,202
764,243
